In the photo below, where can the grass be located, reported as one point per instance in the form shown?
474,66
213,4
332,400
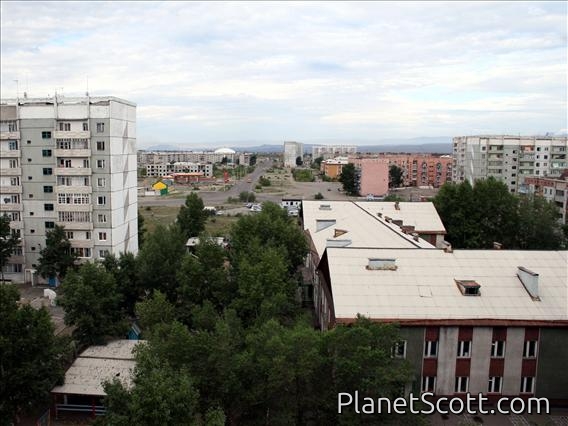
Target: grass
165,215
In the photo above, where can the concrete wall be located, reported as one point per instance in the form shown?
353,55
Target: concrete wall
552,372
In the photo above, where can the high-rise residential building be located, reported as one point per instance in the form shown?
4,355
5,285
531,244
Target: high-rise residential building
69,162
508,158
422,169
332,151
552,188
292,150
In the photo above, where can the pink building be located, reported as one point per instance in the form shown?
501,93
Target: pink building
374,175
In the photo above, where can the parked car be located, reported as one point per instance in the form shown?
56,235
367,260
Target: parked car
256,208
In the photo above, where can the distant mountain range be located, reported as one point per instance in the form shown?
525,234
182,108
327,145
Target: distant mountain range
438,145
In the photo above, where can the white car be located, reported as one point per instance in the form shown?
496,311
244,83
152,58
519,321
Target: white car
256,208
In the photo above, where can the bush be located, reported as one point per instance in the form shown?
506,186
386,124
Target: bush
232,200
318,196
247,197
264,181
303,175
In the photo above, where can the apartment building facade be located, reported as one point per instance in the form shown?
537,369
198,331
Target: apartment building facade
332,151
508,158
553,189
146,158
292,150
69,162
164,169
422,169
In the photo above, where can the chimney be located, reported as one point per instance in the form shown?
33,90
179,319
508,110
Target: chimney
415,236
397,222
407,228
376,264
338,232
497,246
379,214
388,219
529,280
397,205
447,247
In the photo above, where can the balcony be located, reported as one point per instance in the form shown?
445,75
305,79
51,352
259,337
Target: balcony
526,156
10,135
11,207
83,243
11,153
73,153
74,188
14,171
76,226
58,134
73,171
74,207
11,189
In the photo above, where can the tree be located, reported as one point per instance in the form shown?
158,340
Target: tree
125,272
155,310
91,301
395,176
538,224
299,161
8,243
141,229
317,163
347,178
159,260
191,217
247,197
32,357
56,257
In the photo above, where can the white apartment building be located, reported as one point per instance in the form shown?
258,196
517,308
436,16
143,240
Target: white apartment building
69,162
163,169
332,151
508,158
292,150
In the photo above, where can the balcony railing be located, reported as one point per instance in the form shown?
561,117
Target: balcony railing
72,152
10,135
73,171
10,153
13,171
77,134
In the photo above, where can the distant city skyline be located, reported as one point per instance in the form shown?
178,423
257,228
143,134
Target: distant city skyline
213,74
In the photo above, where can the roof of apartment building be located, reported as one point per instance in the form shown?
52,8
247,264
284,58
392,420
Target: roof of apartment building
422,215
65,100
433,286
98,364
345,223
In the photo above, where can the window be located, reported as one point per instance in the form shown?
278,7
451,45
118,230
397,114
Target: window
430,349
13,145
102,236
30,195
101,182
494,384
527,384
48,189
74,216
13,164
30,177
46,135
47,171
64,198
64,163
399,349
100,145
529,351
464,349
48,207
462,384
100,127
65,127
101,164
46,152
86,163
102,218
85,127
15,181
468,287
49,225
81,251
103,253
87,235
101,200
428,383
69,235
498,349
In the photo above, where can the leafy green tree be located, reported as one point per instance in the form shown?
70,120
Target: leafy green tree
395,176
347,178
31,357
56,257
299,161
125,272
141,229
155,310
538,224
91,301
159,260
253,158
247,197
8,243
272,227
191,217
316,164
392,198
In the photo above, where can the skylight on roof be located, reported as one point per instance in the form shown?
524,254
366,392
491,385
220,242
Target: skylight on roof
468,287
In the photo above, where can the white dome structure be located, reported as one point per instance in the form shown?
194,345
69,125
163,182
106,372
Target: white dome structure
227,151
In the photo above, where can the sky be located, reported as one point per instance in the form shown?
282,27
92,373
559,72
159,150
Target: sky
214,74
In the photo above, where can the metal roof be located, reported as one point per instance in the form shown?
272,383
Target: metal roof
353,223
98,364
422,215
422,286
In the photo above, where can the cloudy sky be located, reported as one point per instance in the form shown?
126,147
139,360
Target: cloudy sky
216,73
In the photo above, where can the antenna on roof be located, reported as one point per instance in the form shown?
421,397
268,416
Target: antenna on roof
87,92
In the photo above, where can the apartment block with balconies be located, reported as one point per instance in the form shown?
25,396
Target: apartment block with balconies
69,162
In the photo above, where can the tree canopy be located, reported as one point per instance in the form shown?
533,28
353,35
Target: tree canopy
191,217
347,178
56,258
395,176
477,216
8,243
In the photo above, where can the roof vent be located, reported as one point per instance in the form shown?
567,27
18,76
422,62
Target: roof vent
415,236
397,205
379,214
388,219
325,207
338,243
497,246
339,232
397,222
447,247
324,223
468,287
407,229
376,264
529,280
